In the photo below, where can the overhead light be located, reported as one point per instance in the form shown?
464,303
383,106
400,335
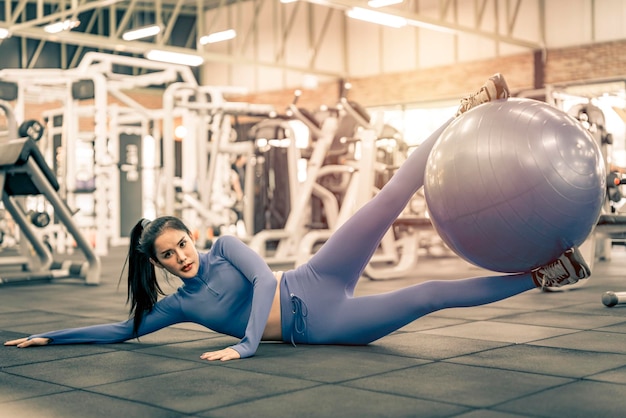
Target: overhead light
430,26
4,33
174,57
382,3
57,27
288,1
373,16
140,33
218,37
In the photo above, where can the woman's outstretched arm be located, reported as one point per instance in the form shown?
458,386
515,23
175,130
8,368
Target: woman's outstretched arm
163,314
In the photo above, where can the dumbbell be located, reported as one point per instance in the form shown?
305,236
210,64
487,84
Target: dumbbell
32,129
39,219
611,299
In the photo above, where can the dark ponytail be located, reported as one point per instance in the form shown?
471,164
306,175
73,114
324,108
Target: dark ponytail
143,287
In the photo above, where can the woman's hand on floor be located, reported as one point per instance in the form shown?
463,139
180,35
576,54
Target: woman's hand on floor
222,355
25,342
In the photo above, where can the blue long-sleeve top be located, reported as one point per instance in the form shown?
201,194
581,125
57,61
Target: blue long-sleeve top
231,294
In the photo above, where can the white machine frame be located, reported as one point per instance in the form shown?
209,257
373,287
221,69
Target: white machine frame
112,111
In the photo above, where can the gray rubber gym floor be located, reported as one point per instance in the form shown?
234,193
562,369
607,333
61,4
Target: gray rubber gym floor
560,354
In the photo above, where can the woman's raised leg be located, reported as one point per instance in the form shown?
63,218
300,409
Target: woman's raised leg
347,252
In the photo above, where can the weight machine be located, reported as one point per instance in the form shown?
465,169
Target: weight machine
289,237
24,172
200,190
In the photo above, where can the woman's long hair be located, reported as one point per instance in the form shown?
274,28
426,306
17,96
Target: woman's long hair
143,287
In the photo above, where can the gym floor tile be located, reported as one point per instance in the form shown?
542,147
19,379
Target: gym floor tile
337,401
499,331
561,319
98,369
430,347
53,322
460,384
582,399
594,308
599,341
611,376
80,403
329,364
544,360
202,388
25,388
21,318
617,328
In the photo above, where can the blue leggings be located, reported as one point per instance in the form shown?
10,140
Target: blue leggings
317,299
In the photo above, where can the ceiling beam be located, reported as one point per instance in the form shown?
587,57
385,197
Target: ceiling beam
138,47
432,22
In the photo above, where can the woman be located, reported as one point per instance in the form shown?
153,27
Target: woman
231,289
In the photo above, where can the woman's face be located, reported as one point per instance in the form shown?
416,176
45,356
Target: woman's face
176,253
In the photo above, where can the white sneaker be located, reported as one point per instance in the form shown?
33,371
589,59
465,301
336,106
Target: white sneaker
495,88
569,268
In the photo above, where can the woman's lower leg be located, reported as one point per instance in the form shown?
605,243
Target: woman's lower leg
364,319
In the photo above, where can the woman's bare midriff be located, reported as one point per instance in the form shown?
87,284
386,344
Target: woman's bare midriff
273,330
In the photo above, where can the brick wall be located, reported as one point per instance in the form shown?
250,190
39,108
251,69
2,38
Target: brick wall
597,61
574,64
